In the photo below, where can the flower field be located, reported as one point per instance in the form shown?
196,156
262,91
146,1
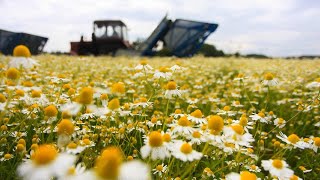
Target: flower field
159,118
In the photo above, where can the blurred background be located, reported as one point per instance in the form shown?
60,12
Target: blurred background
269,27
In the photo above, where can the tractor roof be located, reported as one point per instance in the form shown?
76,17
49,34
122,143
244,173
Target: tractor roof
109,23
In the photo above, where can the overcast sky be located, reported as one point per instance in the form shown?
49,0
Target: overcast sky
272,27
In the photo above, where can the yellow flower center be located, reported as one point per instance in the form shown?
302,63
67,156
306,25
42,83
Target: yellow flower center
196,134
143,99
108,164
12,73
22,141
164,69
71,171
154,120
186,148
172,85
35,94
318,80
143,62
246,175
86,95
2,98
277,164
215,123
104,96
294,177
20,147
114,104
240,75
238,129
268,76
317,141
65,127
44,154
50,111
159,168
19,92
27,84
293,138
243,121
183,121
226,108
197,113
280,121
166,138
178,111
86,141
7,156
155,139
118,88
21,51
253,167
261,114
72,145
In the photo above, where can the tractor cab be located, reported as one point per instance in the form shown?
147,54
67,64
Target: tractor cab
110,29
108,36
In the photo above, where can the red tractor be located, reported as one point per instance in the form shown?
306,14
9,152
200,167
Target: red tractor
108,36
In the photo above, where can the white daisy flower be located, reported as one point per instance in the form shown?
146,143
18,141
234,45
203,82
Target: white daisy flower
259,117
45,164
279,122
242,175
197,117
278,168
293,140
269,80
236,134
160,169
155,147
183,151
182,127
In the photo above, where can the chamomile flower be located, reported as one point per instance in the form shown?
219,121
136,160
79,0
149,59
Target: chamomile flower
279,122
236,134
277,168
293,140
197,117
163,72
45,163
7,157
269,80
160,169
21,58
182,126
143,66
259,117
154,147
183,151
74,148
243,175
314,144
314,84
172,90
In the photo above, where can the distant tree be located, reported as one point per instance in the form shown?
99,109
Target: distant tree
257,56
209,50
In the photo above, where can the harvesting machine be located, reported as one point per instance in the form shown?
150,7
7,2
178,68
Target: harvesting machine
181,37
9,40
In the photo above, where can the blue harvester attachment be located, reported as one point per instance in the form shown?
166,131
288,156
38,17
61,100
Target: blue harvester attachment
183,38
9,40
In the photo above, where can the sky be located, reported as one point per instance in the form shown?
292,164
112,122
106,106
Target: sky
273,27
